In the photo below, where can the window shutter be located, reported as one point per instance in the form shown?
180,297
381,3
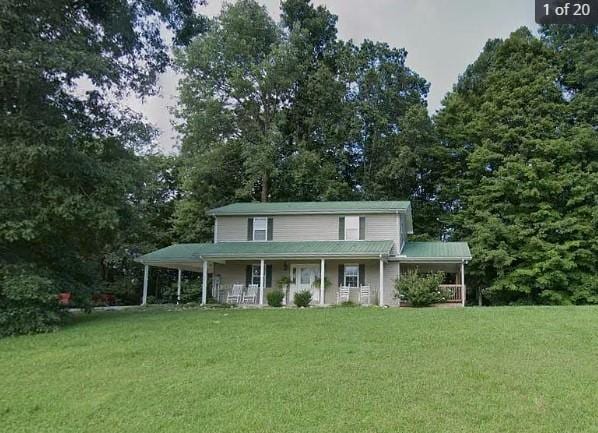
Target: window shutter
362,275
341,274
268,275
270,229
361,228
341,228
249,229
248,275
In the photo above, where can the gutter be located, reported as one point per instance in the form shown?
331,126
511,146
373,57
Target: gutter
335,212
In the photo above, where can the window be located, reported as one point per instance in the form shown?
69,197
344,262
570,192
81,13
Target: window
351,275
260,229
352,228
255,274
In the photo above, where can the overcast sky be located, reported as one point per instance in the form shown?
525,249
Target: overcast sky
442,37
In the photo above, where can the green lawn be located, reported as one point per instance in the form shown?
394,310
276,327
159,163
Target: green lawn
315,370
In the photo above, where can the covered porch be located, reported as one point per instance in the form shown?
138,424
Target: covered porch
447,257
345,279
244,272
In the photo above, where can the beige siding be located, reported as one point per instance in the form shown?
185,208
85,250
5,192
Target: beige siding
305,227
308,227
391,270
232,228
403,234
380,227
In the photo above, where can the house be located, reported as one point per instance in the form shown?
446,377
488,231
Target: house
355,244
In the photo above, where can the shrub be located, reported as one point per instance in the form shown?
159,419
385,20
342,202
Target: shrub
348,304
275,298
302,298
421,290
28,302
190,292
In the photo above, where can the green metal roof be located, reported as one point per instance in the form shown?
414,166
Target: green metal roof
312,207
184,253
436,250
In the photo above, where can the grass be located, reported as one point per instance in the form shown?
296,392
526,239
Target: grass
314,370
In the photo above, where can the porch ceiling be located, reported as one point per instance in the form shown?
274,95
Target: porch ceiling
192,253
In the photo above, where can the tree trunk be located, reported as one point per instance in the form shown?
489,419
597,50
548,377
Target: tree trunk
265,191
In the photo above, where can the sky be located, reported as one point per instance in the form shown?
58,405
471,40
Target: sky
441,37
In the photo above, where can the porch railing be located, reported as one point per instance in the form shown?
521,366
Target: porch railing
452,292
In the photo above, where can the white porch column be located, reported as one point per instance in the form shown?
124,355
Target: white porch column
381,291
322,276
204,283
145,278
262,277
178,288
463,284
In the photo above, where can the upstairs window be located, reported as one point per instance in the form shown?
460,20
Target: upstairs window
352,228
260,229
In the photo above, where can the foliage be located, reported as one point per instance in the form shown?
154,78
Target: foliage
286,111
28,302
420,289
70,156
283,282
317,281
522,178
302,298
190,291
275,298
348,304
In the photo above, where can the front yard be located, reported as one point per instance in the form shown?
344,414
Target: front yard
315,370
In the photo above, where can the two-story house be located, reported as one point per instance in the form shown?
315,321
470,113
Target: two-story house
355,245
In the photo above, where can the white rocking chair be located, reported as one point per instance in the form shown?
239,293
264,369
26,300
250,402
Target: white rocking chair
235,295
364,295
251,296
343,294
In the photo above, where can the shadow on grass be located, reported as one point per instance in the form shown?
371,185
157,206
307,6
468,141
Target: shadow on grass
81,318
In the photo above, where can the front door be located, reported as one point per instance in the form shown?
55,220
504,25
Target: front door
303,277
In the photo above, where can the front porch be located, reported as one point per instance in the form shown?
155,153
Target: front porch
363,272
350,279
239,282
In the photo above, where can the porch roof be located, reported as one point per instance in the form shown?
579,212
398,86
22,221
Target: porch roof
192,253
435,251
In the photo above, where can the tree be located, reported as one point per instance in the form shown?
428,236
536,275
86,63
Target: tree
238,73
247,88
289,112
66,157
521,181
315,163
